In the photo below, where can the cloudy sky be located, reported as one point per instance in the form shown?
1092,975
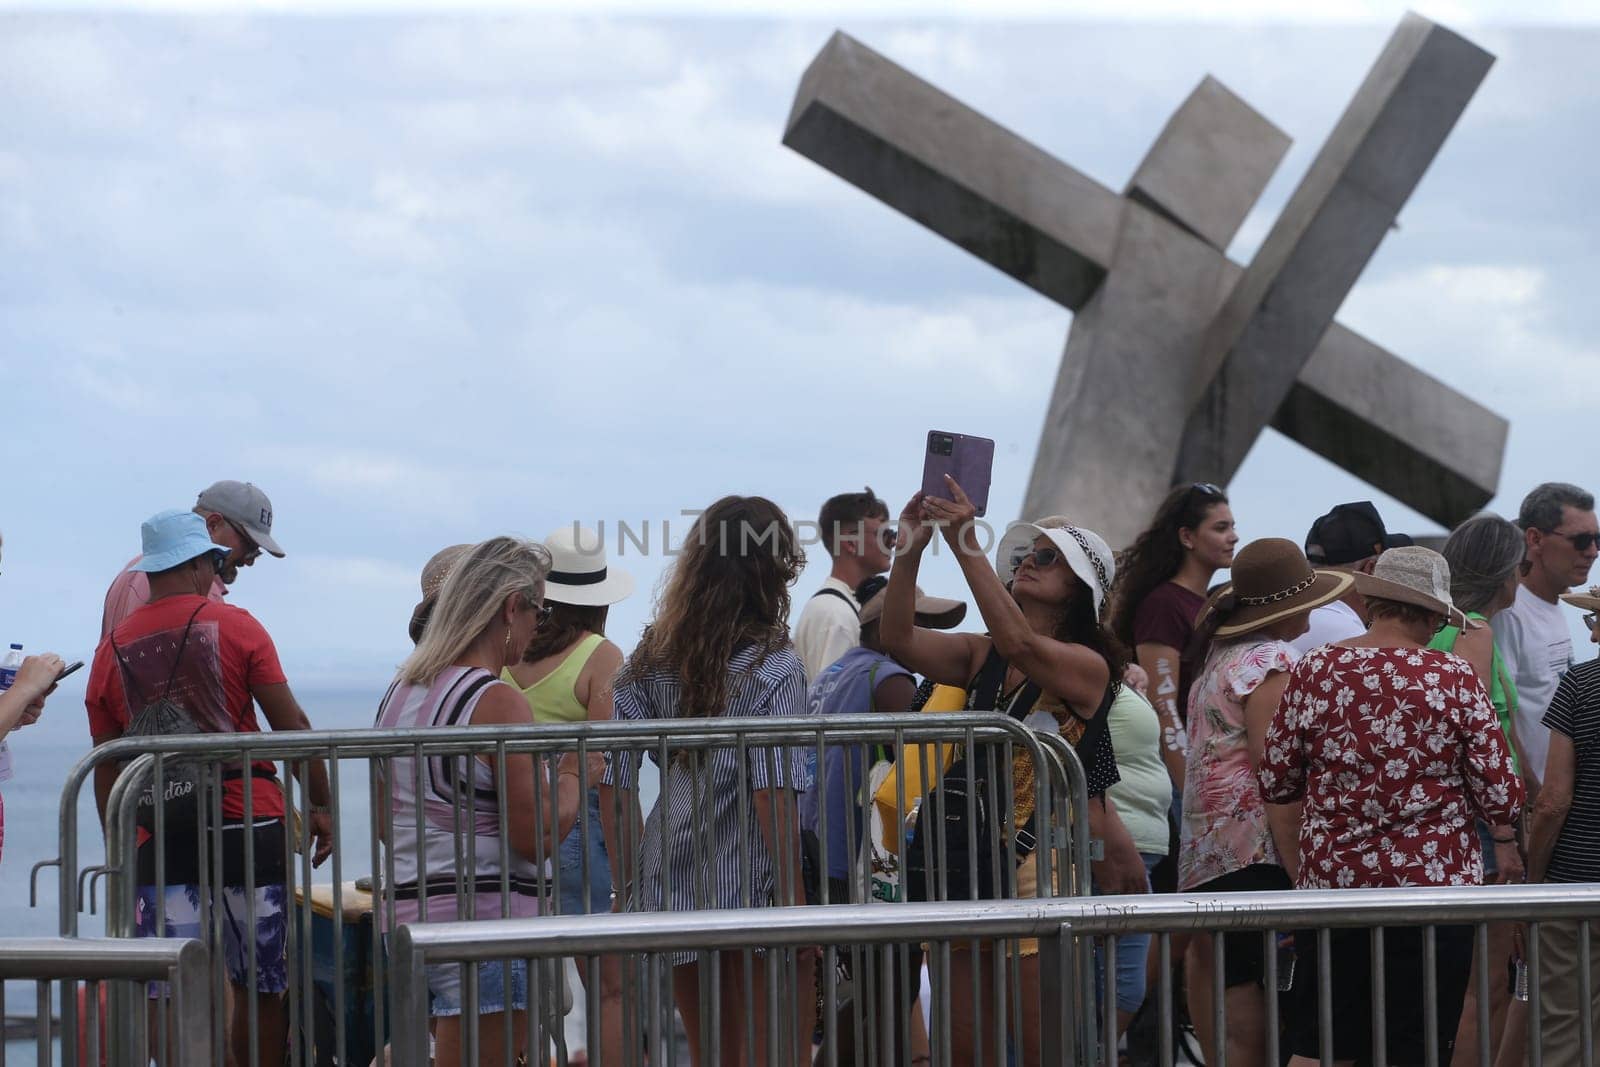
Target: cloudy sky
427,278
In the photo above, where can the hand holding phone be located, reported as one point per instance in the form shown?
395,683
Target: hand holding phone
71,668
968,460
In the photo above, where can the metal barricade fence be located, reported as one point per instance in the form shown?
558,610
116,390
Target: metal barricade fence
1058,1010
101,969
412,763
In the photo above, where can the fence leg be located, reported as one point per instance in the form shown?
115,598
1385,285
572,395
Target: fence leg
409,1038
1055,973
191,999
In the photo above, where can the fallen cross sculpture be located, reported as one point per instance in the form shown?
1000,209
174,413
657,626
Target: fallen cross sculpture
1178,357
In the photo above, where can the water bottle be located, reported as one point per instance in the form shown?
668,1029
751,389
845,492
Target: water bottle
8,677
9,667
1520,990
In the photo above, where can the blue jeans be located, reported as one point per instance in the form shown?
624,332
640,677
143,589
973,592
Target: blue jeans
574,898
1132,953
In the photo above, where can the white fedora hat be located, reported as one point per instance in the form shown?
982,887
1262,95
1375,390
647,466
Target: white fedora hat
579,574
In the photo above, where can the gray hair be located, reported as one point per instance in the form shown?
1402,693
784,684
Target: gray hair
1541,509
1483,552
471,597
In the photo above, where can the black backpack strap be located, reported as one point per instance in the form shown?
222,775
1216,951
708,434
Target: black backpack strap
983,692
829,590
987,689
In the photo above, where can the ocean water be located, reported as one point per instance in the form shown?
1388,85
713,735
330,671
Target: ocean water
42,757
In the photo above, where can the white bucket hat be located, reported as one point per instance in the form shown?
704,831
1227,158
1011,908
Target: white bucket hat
579,574
1085,551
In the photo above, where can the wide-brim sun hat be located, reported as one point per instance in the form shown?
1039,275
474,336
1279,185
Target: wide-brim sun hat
932,612
579,572
1086,552
172,538
1585,601
1271,580
1413,575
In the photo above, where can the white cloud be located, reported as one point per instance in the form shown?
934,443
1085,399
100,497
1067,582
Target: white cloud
1484,328
358,572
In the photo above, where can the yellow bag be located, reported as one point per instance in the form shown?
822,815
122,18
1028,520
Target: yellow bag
913,760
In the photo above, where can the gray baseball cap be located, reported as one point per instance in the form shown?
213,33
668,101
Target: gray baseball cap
246,505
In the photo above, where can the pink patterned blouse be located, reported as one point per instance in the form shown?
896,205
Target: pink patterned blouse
1224,825
1396,751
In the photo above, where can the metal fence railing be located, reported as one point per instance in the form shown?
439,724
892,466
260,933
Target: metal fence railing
337,1004
107,969
1063,1007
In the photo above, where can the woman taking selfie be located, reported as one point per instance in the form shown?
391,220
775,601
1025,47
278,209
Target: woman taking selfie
1047,661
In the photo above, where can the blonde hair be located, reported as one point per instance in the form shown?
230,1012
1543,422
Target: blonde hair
471,598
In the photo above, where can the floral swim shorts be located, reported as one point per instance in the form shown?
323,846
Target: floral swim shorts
187,913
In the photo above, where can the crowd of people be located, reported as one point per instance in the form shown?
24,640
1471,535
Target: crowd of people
1348,710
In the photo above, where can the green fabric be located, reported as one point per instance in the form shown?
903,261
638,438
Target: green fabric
1502,690
553,697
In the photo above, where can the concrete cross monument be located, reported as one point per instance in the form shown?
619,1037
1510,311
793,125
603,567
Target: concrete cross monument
1178,358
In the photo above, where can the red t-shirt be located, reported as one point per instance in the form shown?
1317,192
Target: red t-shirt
227,656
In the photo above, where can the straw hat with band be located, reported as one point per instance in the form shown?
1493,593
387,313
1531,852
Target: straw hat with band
579,574
1271,581
1413,575
434,573
1585,601
1086,553
932,612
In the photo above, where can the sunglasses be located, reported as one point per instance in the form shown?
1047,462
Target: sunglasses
1207,488
1591,619
1042,558
252,551
1580,541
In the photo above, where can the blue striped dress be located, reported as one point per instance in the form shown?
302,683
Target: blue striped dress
693,856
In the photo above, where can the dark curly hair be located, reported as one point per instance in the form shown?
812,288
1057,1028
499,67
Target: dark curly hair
1157,553
728,589
1079,625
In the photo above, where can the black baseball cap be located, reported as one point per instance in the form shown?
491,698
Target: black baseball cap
1348,534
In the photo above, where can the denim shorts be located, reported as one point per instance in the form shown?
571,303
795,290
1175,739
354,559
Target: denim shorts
446,994
1132,952
573,899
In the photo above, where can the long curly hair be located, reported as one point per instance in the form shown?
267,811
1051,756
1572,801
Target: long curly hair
1157,553
728,589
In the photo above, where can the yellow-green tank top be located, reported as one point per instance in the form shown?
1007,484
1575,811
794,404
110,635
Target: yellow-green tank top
552,697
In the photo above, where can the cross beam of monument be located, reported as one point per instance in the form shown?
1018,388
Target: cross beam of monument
1178,358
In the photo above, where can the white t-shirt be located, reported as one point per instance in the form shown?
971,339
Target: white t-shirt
1534,641
828,628
1330,624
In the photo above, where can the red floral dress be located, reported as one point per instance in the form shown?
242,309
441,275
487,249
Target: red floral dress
1396,751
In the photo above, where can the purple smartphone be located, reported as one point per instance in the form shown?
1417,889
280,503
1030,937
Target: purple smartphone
969,460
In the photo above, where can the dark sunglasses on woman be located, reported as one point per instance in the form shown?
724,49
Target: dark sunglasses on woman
1042,557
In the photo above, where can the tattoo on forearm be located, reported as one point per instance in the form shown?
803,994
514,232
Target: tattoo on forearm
1173,735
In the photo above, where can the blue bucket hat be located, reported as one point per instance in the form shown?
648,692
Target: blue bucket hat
172,538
